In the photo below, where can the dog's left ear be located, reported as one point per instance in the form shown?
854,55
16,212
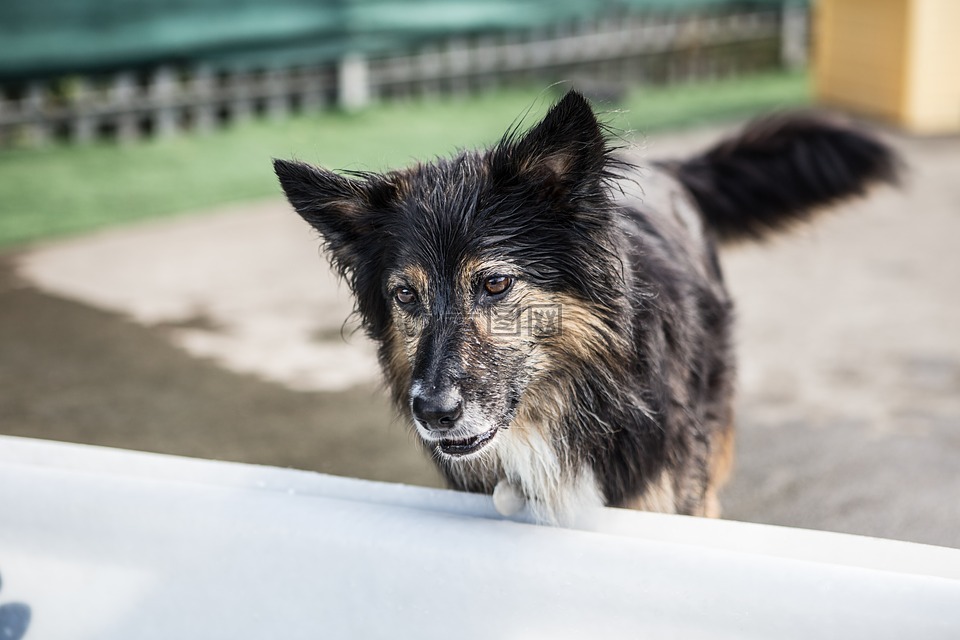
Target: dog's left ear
343,209
567,146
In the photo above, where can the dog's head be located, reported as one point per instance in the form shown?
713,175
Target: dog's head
485,279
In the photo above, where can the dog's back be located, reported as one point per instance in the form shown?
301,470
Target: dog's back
777,172
682,318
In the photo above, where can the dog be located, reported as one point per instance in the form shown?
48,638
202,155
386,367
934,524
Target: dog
554,320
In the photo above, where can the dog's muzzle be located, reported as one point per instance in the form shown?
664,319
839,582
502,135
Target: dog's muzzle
438,415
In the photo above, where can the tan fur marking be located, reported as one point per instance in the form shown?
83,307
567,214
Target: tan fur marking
470,268
582,334
721,466
538,410
401,342
407,327
397,360
659,497
412,276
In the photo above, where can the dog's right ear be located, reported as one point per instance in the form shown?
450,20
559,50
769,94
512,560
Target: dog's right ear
336,206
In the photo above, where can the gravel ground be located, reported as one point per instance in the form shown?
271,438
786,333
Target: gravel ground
222,335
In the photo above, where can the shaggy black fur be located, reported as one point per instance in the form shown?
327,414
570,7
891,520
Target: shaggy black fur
779,170
634,395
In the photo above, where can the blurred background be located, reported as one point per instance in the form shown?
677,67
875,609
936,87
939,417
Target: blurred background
156,293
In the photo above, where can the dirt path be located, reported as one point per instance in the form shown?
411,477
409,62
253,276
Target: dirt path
220,336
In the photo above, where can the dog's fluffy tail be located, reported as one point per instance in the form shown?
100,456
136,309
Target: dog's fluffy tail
780,170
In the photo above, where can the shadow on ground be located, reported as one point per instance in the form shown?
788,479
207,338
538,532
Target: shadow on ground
70,372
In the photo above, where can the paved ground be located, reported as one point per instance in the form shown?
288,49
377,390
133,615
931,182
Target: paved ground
222,336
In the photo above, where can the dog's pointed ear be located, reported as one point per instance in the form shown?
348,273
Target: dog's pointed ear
336,206
567,145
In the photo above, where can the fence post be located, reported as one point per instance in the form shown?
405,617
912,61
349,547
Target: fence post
122,93
276,83
428,70
793,35
83,122
35,103
240,91
5,129
201,86
457,59
163,89
311,89
353,82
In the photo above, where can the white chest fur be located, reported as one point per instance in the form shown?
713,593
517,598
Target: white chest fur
532,470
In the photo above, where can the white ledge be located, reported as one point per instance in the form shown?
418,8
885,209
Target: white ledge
102,543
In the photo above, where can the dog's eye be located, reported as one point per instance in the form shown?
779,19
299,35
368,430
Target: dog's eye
497,284
404,295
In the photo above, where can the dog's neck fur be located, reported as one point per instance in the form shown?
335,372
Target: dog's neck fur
534,465
534,461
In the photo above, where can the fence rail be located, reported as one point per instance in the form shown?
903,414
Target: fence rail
611,51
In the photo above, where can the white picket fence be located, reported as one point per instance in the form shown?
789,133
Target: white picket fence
606,54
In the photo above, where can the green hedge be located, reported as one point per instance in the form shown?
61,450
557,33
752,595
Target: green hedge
53,37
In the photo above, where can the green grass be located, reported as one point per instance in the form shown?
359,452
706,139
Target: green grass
70,189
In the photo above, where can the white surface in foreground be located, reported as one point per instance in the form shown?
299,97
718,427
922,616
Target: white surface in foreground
110,544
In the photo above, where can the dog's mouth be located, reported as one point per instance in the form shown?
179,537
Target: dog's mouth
465,446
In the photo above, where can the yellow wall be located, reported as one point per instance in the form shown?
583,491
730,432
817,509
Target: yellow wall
859,54
932,101
894,59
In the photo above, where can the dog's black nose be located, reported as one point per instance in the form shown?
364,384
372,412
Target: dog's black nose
439,411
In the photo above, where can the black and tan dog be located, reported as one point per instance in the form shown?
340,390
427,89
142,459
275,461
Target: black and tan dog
556,323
